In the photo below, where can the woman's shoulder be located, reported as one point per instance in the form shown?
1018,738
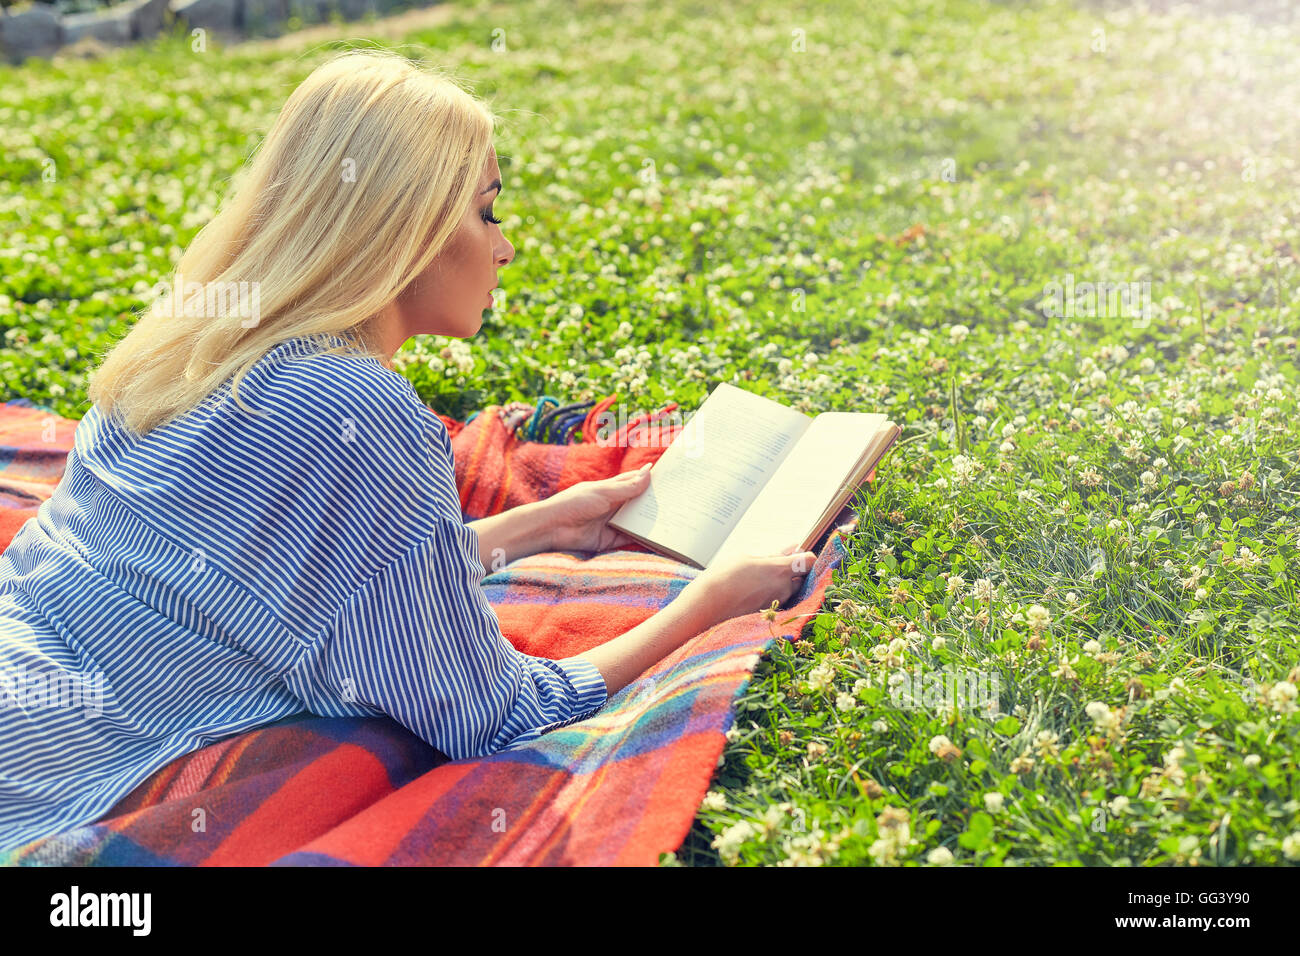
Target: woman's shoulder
304,377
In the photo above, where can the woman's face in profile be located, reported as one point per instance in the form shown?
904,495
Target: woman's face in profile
450,297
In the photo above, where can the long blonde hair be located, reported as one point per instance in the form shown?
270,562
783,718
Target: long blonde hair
362,180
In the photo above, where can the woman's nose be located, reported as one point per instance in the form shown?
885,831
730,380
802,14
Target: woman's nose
506,255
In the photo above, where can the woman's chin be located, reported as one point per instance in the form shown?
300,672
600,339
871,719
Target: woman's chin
465,328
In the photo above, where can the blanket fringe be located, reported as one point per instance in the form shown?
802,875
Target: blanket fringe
551,423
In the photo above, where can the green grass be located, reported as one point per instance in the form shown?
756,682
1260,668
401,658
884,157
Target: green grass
1090,510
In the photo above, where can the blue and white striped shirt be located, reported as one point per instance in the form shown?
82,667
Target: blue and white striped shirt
229,570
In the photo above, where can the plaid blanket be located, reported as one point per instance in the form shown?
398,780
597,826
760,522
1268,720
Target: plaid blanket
621,787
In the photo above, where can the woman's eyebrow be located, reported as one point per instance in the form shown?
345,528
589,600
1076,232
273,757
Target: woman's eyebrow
496,184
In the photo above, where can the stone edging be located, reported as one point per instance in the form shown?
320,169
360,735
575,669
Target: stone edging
41,30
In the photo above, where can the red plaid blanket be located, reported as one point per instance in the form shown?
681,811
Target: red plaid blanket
619,788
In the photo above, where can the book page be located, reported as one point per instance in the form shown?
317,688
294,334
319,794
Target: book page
712,472
816,473
884,441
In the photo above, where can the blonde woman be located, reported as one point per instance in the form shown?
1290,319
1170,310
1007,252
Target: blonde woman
259,517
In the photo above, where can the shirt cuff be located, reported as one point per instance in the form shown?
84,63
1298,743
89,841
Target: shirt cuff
589,696
588,685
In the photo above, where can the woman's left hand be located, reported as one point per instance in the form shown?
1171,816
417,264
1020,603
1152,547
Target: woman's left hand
579,515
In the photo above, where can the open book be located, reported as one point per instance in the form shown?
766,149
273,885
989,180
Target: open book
747,475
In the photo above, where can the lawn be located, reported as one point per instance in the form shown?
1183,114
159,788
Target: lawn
1056,242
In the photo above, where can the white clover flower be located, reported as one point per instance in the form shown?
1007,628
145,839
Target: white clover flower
879,726
845,701
993,802
939,856
729,841
773,817
1291,846
1175,757
963,469
1282,697
1119,805
714,800
1102,716
1092,648
1038,617
958,333
1251,761
955,583
821,677
939,742
939,643
895,829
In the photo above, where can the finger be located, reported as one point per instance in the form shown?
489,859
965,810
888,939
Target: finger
801,562
625,490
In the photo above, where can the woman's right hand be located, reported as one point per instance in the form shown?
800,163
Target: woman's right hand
750,584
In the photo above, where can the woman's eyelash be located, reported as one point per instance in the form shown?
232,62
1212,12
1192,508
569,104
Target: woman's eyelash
488,217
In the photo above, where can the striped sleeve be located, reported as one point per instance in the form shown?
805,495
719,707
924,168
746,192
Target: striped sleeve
416,638
420,642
